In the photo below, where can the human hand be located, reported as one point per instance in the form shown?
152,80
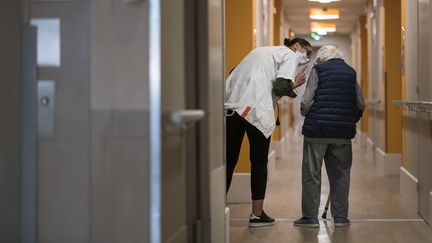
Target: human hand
300,78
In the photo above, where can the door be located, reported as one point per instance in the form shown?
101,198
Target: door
424,135
193,191
180,117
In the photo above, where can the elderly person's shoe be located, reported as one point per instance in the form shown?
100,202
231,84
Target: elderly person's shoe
341,221
307,222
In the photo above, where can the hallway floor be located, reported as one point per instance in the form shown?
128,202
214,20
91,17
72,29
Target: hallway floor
377,211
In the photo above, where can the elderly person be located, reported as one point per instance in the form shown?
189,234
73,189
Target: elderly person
332,105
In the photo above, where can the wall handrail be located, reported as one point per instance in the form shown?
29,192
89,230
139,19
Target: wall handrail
417,106
373,103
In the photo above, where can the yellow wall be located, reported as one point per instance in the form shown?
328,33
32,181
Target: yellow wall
394,82
364,70
239,25
277,23
239,20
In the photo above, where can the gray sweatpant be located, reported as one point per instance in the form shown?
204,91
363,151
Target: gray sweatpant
338,161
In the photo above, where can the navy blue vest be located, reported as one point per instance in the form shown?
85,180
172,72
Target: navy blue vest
334,112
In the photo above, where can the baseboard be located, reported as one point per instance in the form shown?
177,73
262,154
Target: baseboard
280,148
408,188
430,210
240,189
387,164
227,224
285,143
363,139
240,186
370,150
218,204
271,166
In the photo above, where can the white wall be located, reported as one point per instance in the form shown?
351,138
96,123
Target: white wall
264,22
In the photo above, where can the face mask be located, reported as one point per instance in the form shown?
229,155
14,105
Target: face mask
303,59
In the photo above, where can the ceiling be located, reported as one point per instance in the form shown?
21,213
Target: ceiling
297,14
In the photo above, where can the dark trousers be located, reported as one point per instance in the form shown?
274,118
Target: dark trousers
338,161
236,127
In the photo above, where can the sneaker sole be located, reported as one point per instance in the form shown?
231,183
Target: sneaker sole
307,225
255,225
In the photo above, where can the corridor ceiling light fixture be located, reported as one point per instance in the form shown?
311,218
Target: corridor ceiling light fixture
324,13
324,1
323,27
321,32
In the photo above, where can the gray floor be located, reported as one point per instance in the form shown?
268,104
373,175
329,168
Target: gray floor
377,211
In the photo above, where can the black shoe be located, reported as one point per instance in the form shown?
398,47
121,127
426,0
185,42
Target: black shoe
259,221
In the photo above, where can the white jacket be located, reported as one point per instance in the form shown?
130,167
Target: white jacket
250,84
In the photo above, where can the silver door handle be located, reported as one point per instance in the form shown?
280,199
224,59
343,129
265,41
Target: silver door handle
186,116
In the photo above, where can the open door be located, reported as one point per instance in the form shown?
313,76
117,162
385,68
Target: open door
193,171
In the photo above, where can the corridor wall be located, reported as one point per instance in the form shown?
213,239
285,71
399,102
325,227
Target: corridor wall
384,85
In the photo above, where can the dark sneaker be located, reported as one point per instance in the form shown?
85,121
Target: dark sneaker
341,222
307,222
259,221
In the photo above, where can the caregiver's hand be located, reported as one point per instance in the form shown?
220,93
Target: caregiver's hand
300,78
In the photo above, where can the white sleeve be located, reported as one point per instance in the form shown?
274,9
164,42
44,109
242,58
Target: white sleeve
287,68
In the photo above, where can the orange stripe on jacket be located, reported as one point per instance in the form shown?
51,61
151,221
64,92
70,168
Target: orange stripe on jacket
246,111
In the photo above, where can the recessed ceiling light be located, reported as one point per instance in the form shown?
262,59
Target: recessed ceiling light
325,13
324,1
321,32
323,27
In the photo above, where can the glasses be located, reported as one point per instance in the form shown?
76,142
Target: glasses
308,53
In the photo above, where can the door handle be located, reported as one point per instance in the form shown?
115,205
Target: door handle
184,117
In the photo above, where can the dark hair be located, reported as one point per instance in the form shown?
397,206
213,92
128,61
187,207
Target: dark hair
301,41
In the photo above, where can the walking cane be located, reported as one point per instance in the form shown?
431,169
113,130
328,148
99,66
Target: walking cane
324,215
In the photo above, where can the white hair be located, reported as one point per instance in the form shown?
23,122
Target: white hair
327,52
